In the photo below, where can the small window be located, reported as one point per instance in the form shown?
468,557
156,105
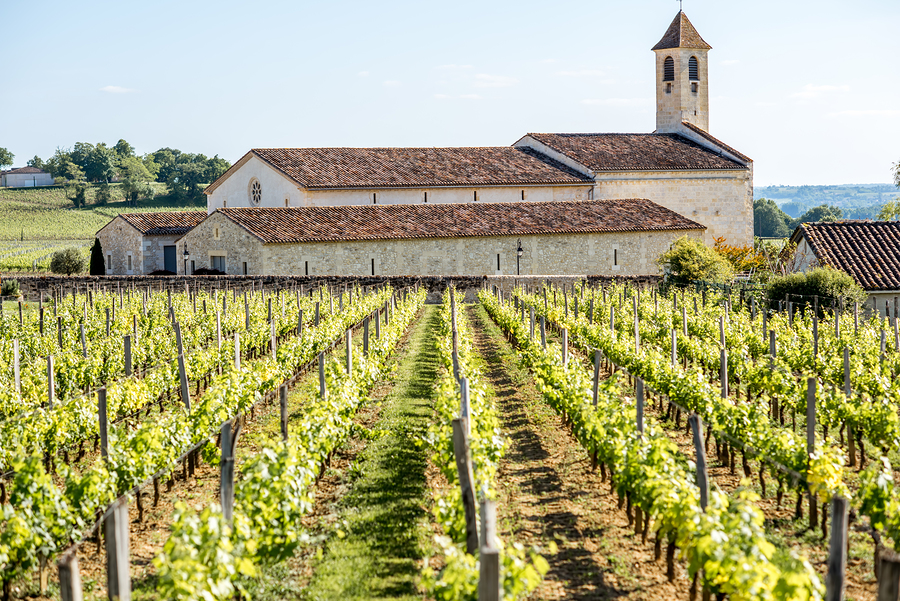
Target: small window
475,196
669,69
129,263
244,264
426,197
523,194
498,262
694,87
373,266
224,204
668,88
374,198
306,267
218,263
193,267
286,203
217,234
109,262
255,191
615,256
693,71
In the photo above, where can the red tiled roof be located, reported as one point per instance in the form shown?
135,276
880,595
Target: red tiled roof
681,34
24,170
700,131
416,167
455,220
868,250
171,223
636,152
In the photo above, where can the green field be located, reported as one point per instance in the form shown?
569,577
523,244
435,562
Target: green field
36,222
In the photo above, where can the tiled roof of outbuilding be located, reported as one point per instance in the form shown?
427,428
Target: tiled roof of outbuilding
24,170
636,152
867,250
170,223
681,34
454,220
417,167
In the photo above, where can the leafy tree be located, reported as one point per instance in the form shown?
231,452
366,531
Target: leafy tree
890,210
793,208
6,158
98,265
36,162
123,149
824,282
769,221
692,260
80,197
818,214
80,153
102,196
101,163
67,261
136,178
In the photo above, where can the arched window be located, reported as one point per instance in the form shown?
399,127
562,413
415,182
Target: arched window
669,69
255,192
693,72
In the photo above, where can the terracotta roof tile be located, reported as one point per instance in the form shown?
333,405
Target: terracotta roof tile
171,223
867,250
636,152
417,167
681,34
28,169
700,131
454,220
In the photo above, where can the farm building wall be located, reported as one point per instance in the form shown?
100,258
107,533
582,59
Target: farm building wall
619,253
120,240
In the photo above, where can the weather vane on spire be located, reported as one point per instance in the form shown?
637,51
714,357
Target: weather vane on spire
681,5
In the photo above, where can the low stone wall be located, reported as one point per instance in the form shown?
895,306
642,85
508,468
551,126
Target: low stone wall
33,286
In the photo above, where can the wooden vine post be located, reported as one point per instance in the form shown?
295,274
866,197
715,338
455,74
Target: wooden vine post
228,441
466,481
888,576
127,353
543,331
811,443
837,552
323,392
639,403
283,398
51,383
366,336
489,583
182,371
348,342
17,373
70,587
700,450
565,346
116,531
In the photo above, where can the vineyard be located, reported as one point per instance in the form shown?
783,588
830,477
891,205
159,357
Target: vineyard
545,441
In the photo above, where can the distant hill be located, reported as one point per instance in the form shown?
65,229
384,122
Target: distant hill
856,201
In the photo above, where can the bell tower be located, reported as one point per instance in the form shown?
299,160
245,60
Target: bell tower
682,87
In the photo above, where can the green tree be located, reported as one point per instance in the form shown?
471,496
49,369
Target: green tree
890,210
137,178
689,259
102,196
36,162
98,265
101,163
80,197
818,214
67,261
123,149
6,158
769,221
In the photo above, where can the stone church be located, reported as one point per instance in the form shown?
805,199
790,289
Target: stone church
587,203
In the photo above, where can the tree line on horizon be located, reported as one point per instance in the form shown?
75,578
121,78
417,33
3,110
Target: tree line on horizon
84,164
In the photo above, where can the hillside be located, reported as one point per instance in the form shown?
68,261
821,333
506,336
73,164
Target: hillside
857,201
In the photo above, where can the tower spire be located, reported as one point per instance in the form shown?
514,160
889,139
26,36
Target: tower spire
682,90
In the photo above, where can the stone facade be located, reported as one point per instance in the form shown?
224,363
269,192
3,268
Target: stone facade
124,247
682,99
621,253
280,191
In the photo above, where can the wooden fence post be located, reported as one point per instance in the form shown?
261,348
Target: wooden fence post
723,371
103,422
83,341
51,382
348,342
366,336
639,403
837,551
674,337
17,373
227,441
127,354
316,321
637,330
118,577
684,329
531,320
851,442
543,332
466,482
283,397
323,392
70,588
700,450
596,390
888,576
489,583
565,346
59,332
465,410
237,351
811,442
246,312
377,324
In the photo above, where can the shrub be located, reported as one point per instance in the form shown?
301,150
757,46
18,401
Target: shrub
689,259
98,264
67,261
10,288
741,258
102,196
824,282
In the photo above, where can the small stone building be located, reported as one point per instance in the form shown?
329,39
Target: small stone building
611,237
25,177
868,250
141,243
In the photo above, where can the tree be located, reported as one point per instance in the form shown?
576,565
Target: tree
769,221
101,163
890,210
102,196
123,149
98,265
137,178
67,261
692,260
818,214
6,158
36,162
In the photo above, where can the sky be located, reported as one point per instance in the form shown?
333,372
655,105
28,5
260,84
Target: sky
809,90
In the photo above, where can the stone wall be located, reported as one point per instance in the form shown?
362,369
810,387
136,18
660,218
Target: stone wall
621,253
120,240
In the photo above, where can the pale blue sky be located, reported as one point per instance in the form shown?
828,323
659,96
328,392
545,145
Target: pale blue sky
809,90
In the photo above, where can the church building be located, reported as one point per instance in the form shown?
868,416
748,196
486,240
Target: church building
679,174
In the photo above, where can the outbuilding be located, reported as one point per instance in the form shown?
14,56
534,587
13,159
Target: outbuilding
611,237
25,177
141,243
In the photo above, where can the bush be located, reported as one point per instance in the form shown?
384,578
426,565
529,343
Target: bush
67,261
825,282
98,264
102,196
689,259
10,288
